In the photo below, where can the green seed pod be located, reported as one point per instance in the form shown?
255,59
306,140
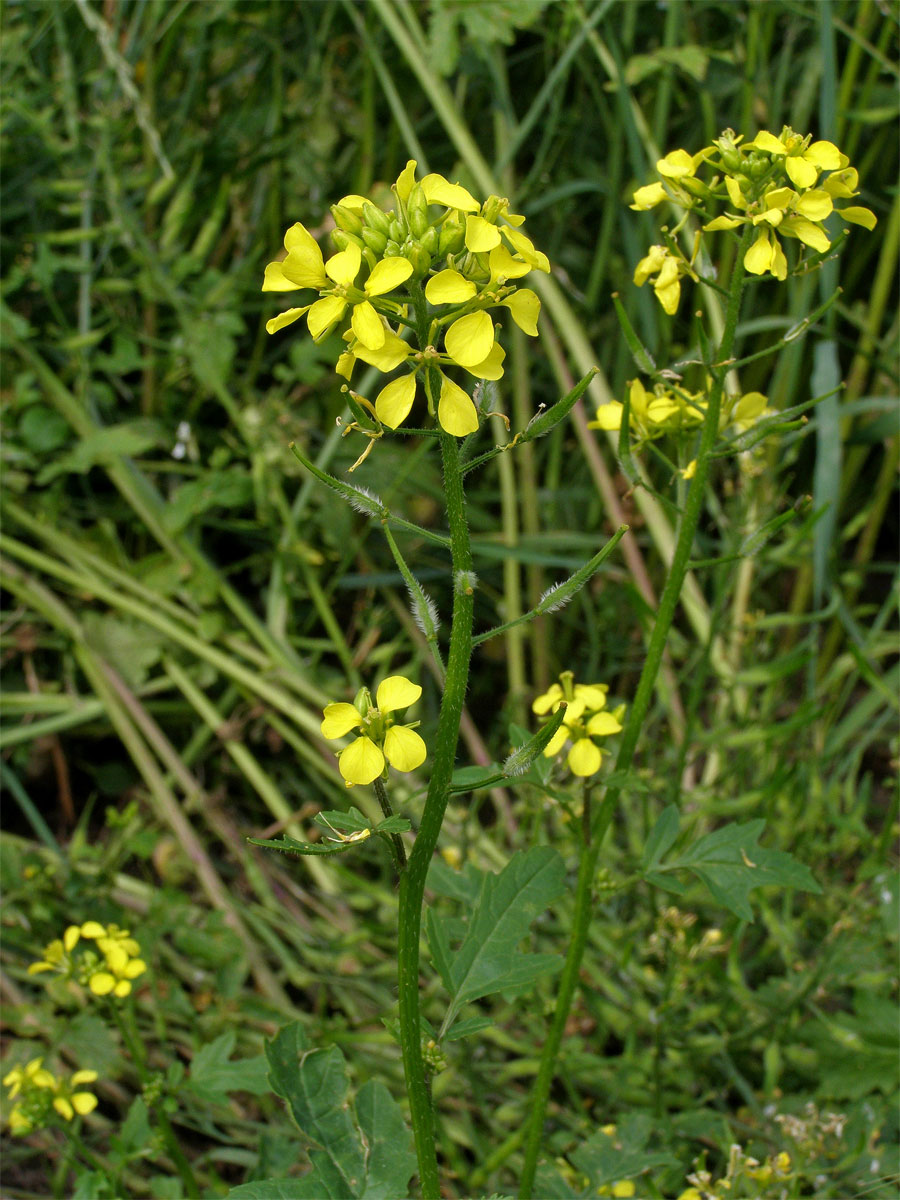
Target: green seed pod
374,218
345,219
374,238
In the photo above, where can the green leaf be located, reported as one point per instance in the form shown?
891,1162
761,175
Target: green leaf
360,1151
731,863
394,825
104,447
606,1158
489,960
278,1189
466,1028
662,837
343,822
292,846
213,1076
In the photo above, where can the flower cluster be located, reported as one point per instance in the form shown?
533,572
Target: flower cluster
670,410
744,1172
109,972
380,739
585,722
436,263
37,1092
787,183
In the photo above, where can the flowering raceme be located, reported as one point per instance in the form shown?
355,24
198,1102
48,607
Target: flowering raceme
37,1091
440,257
109,973
584,723
381,738
789,184
667,410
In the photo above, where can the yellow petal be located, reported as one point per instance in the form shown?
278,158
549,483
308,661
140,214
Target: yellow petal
758,258
469,340
676,165
340,718
779,262
525,307
388,274
396,692
403,748
83,1077
122,989
801,172
592,694
449,287
808,233
93,929
649,264
603,724
135,967
668,294
392,404
116,958
355,203
623,1189
102,983
63,1107
825,155
723,222
304,265
344,266
842,183
584,758
549,700
84,1102
735,195
456,412
525,247
490,367
768,142
71,936
648,197
324,313
859,216
815,204
36,967
452,195
367,325
772,216
503,266
390,355
481,235
609,416
288,317
406,179
361,762
345,364
556,743
276,281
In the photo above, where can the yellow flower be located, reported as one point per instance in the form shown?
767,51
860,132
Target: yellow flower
381,739
668,269
32,1075
651,414
584,721
68,1101
119,969
802,161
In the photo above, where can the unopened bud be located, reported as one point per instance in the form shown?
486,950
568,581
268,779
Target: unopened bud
342,239
419,257
375,239
374,218
429,240
346,219
396,232
452,239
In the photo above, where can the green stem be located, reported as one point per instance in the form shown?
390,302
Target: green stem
398,851
412,881
639,709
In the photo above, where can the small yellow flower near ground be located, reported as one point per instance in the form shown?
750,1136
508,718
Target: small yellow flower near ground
33,1075
68,1101
111,974
381,739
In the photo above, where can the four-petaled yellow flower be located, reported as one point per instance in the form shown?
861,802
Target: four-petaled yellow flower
584,721
110,975
381,739
37,1091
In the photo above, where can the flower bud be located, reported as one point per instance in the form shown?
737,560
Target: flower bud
375,239
396,232
419,257
452,239
345,219
490,210
731,160
342,239
417,211
374,218
429,240
391,250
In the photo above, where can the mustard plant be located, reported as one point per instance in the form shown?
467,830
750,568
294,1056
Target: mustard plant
414,291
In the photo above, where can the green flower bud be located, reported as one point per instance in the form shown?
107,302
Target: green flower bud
452,239
429,240
490,210
345,219
419,257
417,210
731,160
396,231
391,250
374,238
374,218
342,239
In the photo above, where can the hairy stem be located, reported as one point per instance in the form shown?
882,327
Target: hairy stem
639,709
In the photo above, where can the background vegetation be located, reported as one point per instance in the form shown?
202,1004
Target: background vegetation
181,600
